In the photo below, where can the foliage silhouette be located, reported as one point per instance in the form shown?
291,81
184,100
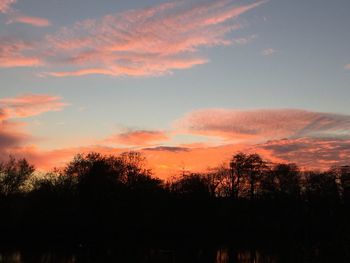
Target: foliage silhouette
13,175
115,199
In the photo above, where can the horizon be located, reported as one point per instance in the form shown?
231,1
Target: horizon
186,83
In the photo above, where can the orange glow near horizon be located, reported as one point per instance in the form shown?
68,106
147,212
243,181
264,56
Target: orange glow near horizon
313,140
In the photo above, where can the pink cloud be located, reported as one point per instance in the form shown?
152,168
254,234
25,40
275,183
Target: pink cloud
146,42
30,105
138,138
5,5
347,67
150,70
30,20
309,153
13,137
16,16
259,125
13,54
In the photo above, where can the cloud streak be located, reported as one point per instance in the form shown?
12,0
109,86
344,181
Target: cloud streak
29,105
14,53
310,153
15,16
258,125
146,42
29,20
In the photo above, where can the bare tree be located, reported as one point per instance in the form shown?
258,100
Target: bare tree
14,174
216,179
246,168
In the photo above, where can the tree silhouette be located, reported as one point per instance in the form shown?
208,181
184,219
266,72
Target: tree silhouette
13,175
192,185
321,187
216,180
288,179
115,198
249,168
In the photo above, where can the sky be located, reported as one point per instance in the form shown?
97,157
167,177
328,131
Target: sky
187,83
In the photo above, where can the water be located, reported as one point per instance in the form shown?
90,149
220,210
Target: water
219,255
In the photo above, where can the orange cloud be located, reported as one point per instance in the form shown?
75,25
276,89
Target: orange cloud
31,20
313,140
146,42
30,105
167,161
138,138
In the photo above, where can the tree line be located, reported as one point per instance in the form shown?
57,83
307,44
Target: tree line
116,198
246,176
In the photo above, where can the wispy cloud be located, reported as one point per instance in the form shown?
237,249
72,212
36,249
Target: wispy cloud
14,53
269,51
310,153
16,16
29,105
146,42
13,137
314,140
29,20
257,125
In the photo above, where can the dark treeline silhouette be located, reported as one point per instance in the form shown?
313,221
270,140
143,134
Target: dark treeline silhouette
115,199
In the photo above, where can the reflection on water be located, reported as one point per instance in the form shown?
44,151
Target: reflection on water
92,255
14,257
243,256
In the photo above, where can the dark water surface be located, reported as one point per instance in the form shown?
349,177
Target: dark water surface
209,255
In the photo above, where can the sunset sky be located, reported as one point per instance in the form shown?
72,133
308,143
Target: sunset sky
187,83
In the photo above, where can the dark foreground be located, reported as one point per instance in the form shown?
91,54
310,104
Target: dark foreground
110,209
93,254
